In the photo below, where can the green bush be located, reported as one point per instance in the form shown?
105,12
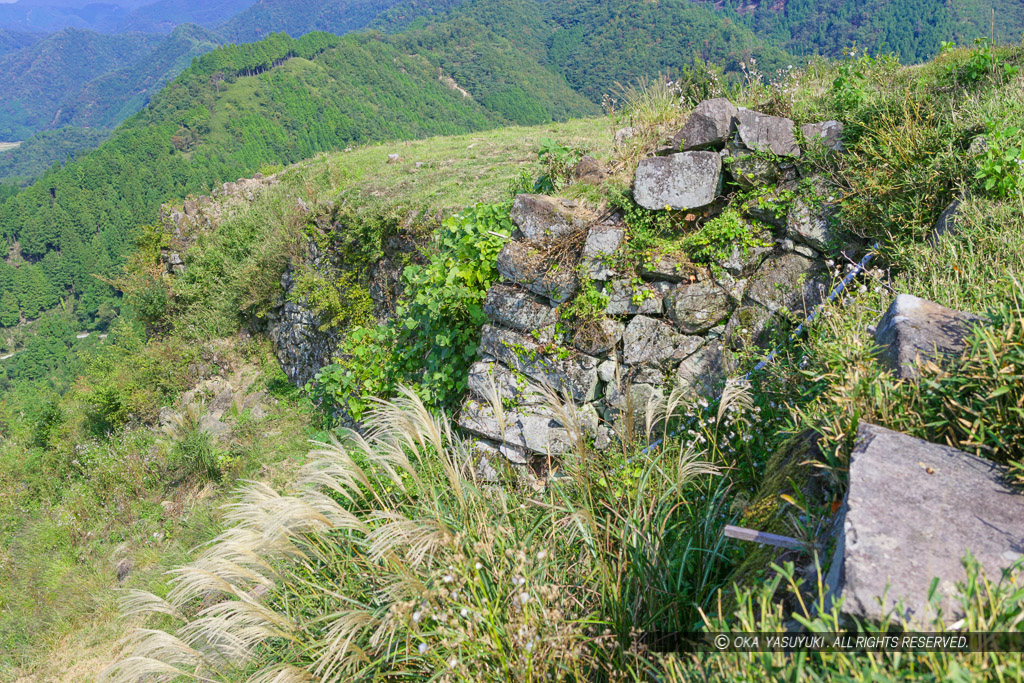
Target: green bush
432,339
999,167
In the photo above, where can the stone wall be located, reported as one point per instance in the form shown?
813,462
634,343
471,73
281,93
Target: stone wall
668,322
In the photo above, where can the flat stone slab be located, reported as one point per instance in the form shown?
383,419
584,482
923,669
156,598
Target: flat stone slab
511,387
763,133
679,181
522,311
786,282
625,298
914,328
560,369
827,133
698,307
709,125
538,216
603,240
914,510
648,341
530,429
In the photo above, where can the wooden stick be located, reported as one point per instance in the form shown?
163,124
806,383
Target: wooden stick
762,537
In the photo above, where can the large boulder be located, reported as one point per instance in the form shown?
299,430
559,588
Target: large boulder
701,372
763,133
560,369
698,307
709,126
913,328
530,266
786,282
538,216
649,342
522,311
679,181
827,134
914,509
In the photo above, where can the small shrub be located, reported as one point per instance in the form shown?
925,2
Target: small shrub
559,162
716,239
999,167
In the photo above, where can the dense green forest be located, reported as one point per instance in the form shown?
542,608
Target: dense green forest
88,79
34,156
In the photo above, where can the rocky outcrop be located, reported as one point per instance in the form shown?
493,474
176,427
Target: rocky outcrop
914,329
686,180
708,127
913,511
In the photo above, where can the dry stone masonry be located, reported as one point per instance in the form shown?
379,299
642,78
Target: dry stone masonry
668,321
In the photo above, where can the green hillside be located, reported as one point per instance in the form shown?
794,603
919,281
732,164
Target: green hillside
162,509
232,112
298,17
39,77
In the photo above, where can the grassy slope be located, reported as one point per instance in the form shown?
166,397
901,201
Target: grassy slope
907,158
57,603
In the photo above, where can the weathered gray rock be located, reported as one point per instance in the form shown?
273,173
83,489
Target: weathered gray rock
946,224
213,426
531,267
522,311
538,216
786,282
650,341
914,509
763,133
529,429
704,369
811,224
747,326
672,267
680,181
914,328
828,134
698,307
750,171
626,298
634,396
511,387
606,370
742,262
603,240
708,126
560,369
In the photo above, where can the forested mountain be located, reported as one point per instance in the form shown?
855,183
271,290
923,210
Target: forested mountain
82,78
236,109
34,156
298,17
39,77
12,41
117,16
